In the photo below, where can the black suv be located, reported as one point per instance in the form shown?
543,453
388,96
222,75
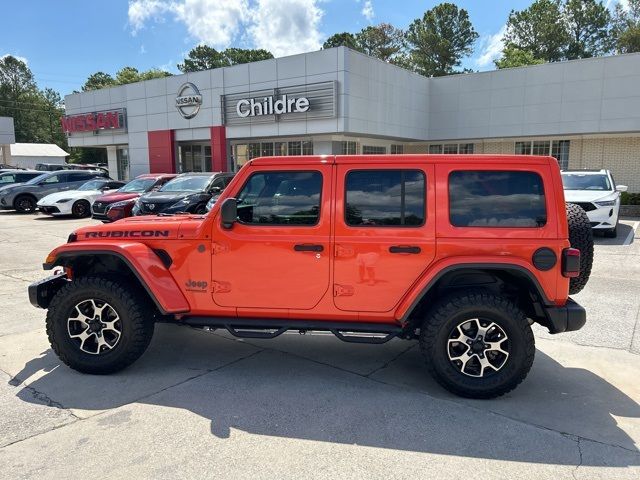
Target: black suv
188,192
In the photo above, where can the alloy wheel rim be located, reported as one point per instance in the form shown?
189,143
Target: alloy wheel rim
478,347
95,326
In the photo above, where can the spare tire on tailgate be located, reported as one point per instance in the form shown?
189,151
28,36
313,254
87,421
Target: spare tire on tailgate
580,237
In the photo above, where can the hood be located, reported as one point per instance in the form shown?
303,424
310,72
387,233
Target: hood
116,197
72,194
4,188
588,195
135,228
166,197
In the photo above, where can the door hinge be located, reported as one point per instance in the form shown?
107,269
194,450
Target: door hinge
343,290
218,248
220,287
343,251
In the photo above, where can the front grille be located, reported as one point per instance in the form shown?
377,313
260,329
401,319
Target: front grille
49,209
99,207
595,224
157,207
587,206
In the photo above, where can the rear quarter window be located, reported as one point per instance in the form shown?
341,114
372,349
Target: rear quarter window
496,199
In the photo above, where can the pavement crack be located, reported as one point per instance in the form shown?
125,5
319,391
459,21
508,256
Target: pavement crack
575,470
390,361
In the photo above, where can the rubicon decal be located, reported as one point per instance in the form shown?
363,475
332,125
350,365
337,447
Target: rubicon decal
128,234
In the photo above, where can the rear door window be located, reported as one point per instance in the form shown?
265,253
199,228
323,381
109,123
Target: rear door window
385,198
496,199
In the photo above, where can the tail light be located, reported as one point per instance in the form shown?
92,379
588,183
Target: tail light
570,262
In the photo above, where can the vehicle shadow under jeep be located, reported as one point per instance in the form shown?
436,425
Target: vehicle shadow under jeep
276,389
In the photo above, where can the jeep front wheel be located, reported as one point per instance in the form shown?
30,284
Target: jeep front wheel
96,325
477,344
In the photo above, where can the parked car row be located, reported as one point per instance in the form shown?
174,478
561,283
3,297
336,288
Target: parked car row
92,193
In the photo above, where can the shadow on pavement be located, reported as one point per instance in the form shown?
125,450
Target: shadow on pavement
623,234
268,392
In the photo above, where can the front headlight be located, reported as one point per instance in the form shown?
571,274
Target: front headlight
123,203
136,208
606,203
64,200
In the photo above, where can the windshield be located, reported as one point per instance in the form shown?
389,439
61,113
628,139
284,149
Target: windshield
582,181
37,179
92,185
139,185
187,184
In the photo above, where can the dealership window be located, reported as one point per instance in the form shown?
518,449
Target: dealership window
496,199
254,150
280,148
266,149
523,148
295,148
307,147
397,149
450,148
385,198
349,148
541,147
435,149
281,198
373,150
122,163
560,150
466,148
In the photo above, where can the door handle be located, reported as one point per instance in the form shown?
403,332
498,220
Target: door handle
404,249
308,247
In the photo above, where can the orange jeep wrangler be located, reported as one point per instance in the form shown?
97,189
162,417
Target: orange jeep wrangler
461,252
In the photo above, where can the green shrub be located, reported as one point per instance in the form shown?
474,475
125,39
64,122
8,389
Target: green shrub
627,198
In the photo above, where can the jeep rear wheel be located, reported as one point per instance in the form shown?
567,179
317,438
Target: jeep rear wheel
477,344
99,326
580,237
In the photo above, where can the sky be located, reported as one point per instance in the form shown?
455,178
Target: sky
64,41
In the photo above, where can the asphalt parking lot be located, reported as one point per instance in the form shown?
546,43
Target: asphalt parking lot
205,404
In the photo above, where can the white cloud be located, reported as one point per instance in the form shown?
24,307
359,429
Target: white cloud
367,10
286,27
142,50
491,46
281,26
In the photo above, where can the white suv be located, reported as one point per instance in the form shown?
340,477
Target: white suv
596,192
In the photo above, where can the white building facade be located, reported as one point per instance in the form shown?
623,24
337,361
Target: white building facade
586,113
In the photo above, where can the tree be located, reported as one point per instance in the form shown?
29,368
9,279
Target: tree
514,57
344,39
588,24
382,41
440,39
626,27
98,80
35,112
204,57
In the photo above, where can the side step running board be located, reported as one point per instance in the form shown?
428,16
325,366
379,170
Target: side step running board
270,328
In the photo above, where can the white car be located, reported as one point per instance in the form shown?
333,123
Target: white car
77,202
596,192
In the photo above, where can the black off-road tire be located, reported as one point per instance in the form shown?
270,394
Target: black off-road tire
81,209
25,204
136,316
580,237
444,317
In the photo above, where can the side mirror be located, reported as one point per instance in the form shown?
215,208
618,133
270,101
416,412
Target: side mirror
229,212
621,188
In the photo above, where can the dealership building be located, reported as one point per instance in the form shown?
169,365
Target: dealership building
586,113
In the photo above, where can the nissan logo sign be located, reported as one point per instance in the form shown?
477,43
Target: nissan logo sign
189,100
268,106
